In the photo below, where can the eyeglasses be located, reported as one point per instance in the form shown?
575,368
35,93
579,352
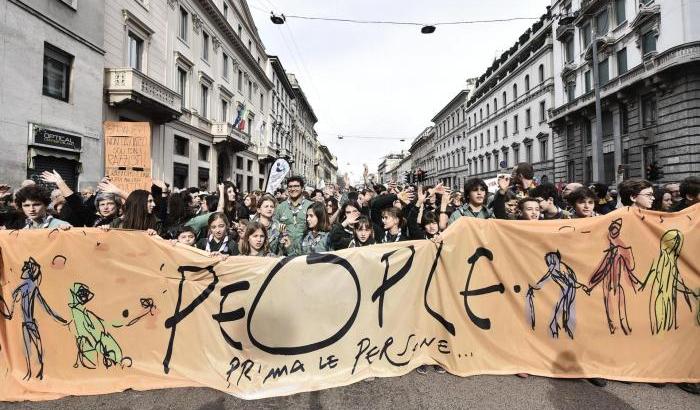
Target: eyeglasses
293,186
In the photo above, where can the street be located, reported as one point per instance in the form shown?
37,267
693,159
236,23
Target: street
432,391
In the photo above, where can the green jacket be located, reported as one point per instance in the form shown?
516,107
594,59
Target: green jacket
294,218
466,210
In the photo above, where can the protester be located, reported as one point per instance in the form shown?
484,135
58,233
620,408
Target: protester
234,210
582,203
636,192
332,209
663,200
292,212
549,201
250,202
690,193
674,189
523,180
393,223
186,236
316,238
604,203
342,232
34,202
255,241
219,241
529,209
138,213
363,233
265,215
475,191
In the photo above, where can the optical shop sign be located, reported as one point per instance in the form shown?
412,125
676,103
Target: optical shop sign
92,312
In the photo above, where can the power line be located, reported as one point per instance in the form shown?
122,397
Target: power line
406,23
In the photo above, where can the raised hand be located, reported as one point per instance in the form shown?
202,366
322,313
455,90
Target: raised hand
51,177
503,183
421,196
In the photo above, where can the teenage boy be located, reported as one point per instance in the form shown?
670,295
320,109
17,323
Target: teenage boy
34,202
548,198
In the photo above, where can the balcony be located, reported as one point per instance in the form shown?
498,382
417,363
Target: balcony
565,31
267,153
225,133
128,87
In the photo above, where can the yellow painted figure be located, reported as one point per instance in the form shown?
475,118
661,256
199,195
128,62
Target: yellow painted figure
666,283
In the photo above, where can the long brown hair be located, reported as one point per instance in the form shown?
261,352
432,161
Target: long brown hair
323,224
249,230
136,214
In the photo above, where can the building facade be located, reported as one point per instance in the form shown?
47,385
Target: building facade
52,61
648,76
194,69
401,169
422,151
281,114
304,137
450,125
327,166
386,165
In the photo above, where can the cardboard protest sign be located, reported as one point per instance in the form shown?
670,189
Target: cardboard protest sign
92,312
128,154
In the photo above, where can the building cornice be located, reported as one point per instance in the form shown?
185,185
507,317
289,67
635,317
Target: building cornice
462,94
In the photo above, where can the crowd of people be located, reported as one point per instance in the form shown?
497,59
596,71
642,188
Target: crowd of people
296,221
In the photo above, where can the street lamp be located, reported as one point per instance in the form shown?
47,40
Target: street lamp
277,19
427,29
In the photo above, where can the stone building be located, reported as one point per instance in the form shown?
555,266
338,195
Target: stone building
281,114
193,69
52,61
423,153
326,166
387,164
450,125
303,136
649,74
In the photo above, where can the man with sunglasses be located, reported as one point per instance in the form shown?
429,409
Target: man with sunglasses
291,214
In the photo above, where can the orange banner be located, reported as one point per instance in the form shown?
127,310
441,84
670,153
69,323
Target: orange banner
92,312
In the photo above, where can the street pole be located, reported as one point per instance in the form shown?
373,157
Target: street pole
597,138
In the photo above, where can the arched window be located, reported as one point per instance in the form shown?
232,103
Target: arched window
541,73
515,92
495,104
505,99
488,110
527,83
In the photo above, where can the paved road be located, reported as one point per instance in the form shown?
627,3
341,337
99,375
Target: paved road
433,391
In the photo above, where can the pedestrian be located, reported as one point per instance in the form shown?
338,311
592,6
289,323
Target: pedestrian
34,202
636,192
228,203
255,242
219,241
138,213
265,215
108,206
363,233
582,202
393,223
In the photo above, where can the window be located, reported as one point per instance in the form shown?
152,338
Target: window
488,110
182,85
528,120
569,50
607,120
505,129
181,146
481,140
488,137
570,91
648,110
225,65
182,32
495,161
203,179
505,100
516,154
205,46
135,51
203,152
624,120
240,32
205,101
586,35
515,124
570,136
587,80
515,92
601,21
589,170
544,155
543,114
225,10
481,114
622,61
240,81
540,73
528,153
250,90
587,131
262,101
180,173
527,83
495,133
224,111
505,159
56,76
648,42
250,165
620,12
239,162
250,45
603,72
470,145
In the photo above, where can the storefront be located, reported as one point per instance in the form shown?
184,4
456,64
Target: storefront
51,149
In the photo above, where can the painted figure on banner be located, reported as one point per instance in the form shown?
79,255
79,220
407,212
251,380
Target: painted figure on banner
564,310
666,282
91,336
26,293
617,264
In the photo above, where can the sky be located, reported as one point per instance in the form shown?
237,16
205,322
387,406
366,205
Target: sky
385,81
